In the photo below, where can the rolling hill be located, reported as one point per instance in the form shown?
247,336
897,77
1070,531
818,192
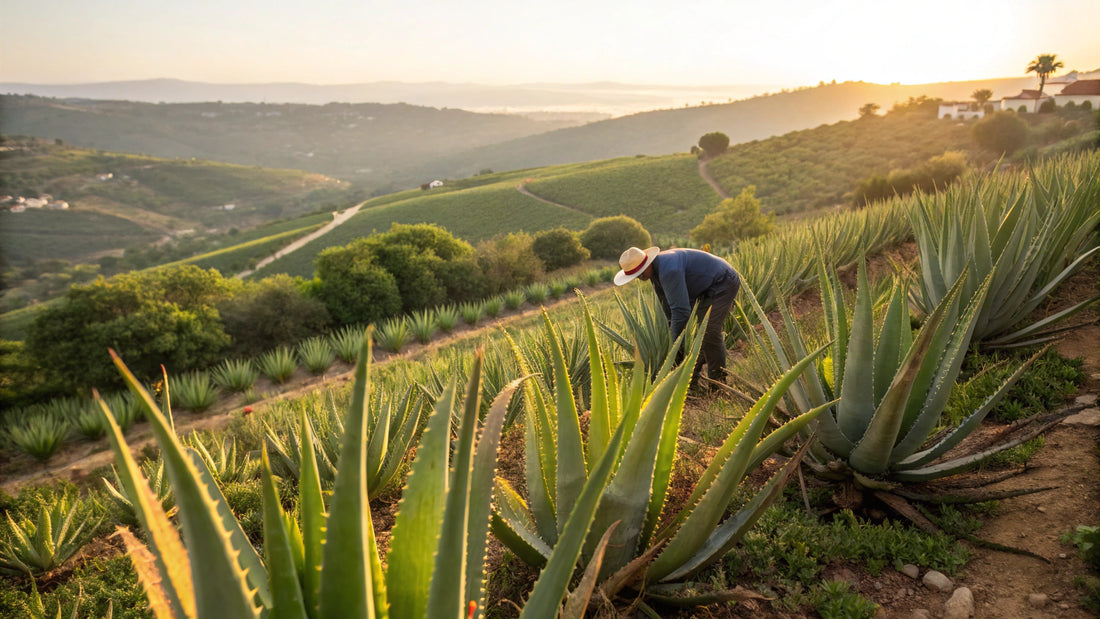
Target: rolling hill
385,148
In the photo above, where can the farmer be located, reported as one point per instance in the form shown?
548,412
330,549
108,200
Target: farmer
681,278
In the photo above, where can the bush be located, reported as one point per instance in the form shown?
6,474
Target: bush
1003,132
606,238
509,262
167,316
353,286
735,218
714,143
559,248
272,312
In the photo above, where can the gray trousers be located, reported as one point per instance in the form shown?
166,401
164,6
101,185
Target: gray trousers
719,300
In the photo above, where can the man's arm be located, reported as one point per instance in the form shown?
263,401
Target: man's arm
676,296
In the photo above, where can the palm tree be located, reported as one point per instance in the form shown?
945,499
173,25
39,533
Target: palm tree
1044,65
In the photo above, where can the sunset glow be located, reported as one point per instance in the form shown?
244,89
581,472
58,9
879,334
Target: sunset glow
782,42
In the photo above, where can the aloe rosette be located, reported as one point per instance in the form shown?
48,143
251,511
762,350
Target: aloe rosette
893,385
616,478
327,564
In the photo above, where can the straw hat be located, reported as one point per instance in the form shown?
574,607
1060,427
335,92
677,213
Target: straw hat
633,262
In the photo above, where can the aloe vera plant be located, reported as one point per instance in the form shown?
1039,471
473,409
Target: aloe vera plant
1024,234
892,385
422,325
393,334
620,473
278,364
236,375
327,565
33,544
193,391
40,435
222,459
157,478
347,342
392,424
316,354
446,318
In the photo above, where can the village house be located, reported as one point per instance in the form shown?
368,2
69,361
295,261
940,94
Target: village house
1080,92
961,110
1028,101
434,184
105,176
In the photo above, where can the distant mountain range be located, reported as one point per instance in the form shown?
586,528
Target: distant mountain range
384,147
602,98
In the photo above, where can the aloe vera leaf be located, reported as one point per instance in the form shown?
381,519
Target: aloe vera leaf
415,537
699,523
287,602
545,598
312,506
572,469
857,405
481,491
513,526
220,584
599,425
576,603
347,584
730,532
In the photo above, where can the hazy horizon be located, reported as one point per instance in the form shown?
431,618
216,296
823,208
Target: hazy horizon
697,44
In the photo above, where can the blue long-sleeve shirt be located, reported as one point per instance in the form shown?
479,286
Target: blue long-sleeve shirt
681,276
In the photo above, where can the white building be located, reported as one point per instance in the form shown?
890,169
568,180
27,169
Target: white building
1029,100
961,110
434,184
1079,92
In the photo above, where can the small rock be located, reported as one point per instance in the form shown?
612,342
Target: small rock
1062,555
1041,509
920,613
1063,606
1087,417
911,571
937,582
961,604
877,586
1088,399
1038,600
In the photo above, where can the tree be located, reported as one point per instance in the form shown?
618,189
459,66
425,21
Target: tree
869,110
164,316
1003,132
353,286
608,237
736,218
1043,66
274,311
509,262
559,248
714,143
981,95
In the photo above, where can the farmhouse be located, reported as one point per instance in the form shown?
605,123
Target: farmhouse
1030,100
105,176
1080,92
434,184
961,109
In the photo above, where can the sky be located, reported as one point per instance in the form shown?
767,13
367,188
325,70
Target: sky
676,42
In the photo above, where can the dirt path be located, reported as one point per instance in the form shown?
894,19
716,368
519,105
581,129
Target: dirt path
704,171
338,218
522,188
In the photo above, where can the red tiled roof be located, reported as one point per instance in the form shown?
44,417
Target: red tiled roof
1082,87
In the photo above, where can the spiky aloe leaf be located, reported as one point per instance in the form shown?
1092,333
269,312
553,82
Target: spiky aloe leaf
416,530
348,582
288,602
172,562
312,507
730,532
545,598
572,469
220,583
576,603
721,482
857,389
600,417
513,526
481,489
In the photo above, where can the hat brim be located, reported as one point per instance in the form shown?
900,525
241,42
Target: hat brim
621,277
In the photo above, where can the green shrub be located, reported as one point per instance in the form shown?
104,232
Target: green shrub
509,262
608,237
1003,132
272,312
354,286
559,248
734,219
